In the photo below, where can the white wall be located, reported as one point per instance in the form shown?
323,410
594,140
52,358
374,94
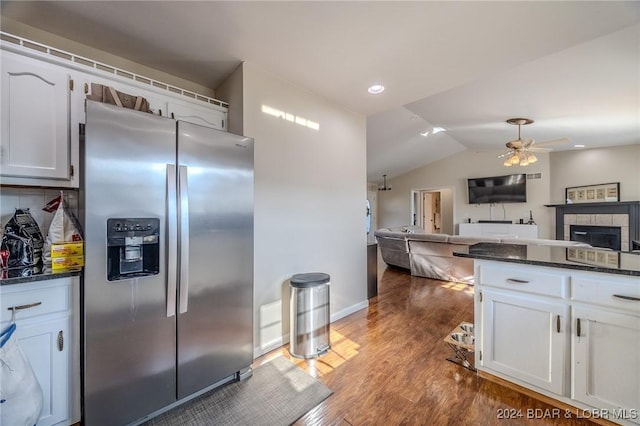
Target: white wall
594,166
394,207
310,192
231,91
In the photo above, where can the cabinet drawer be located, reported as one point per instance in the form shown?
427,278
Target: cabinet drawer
528,279
54,296
613,291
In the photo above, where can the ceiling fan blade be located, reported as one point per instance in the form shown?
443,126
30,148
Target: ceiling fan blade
538,149
504,154
559,141
526,143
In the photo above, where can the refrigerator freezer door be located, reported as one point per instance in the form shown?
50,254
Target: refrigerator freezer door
215,323
130,342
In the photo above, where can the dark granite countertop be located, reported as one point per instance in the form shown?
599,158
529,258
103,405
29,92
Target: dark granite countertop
32,274
581,258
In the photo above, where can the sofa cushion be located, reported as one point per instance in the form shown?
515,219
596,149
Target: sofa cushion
447,268
393,248
459,239
441,238
431,248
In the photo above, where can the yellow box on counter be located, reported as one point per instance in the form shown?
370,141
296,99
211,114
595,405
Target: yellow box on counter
67,262
67,249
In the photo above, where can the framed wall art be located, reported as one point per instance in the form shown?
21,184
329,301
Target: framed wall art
601,193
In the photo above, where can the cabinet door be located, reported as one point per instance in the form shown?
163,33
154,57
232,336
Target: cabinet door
606,366
520,338
35,119
195,114
50,361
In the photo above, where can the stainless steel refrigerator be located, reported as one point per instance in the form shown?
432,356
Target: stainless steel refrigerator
167,294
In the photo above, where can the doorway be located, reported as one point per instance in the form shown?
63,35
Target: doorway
432,210
431,213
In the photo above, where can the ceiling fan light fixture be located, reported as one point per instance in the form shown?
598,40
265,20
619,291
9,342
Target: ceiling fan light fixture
519,154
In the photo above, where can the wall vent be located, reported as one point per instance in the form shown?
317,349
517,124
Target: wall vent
534,176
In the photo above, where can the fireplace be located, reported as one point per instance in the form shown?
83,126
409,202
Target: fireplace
597,236
624,215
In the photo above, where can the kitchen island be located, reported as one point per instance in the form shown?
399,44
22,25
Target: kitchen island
561,324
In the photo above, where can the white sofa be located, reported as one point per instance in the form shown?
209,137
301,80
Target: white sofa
431,255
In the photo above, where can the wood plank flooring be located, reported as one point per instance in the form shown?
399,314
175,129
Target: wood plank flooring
387,364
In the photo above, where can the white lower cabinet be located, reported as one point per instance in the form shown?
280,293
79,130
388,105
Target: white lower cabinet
606,364
570,335
525,337
46,335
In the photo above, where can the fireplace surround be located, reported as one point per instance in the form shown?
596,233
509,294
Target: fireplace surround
624,215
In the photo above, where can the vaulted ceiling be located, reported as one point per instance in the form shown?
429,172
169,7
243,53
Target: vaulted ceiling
465,67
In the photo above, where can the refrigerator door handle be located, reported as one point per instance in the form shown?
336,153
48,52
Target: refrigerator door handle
172,237
183,196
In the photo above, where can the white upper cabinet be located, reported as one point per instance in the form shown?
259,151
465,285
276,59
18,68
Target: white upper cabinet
42,109
35,136
196,114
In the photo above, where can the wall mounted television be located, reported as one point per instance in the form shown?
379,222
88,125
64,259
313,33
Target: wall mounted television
498,189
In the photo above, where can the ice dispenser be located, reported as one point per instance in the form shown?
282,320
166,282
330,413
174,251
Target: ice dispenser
133,248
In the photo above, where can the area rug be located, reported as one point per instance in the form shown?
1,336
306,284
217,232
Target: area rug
279,393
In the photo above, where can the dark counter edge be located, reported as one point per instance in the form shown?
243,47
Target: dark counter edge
40,277
580,267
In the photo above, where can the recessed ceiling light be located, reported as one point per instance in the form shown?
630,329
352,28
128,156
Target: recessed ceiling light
578,146
424,133
376,89
437,130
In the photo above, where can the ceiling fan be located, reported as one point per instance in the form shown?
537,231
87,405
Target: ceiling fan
521,150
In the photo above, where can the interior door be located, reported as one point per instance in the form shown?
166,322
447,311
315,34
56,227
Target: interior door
215,320
427,213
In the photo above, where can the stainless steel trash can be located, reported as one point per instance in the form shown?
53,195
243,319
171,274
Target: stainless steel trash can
309,312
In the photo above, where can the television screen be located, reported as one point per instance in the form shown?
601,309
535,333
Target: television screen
498,189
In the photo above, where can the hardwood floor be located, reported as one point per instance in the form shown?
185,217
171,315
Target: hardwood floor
387,364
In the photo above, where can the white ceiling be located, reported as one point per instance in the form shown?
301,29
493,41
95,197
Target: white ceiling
573,67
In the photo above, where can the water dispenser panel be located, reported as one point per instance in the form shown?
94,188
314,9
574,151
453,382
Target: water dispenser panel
133,248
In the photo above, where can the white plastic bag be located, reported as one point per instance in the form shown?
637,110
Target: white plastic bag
20,392
64,226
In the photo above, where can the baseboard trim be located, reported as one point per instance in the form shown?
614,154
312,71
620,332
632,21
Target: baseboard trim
348,311
280,342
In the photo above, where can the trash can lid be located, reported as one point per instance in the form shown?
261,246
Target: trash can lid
309,280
